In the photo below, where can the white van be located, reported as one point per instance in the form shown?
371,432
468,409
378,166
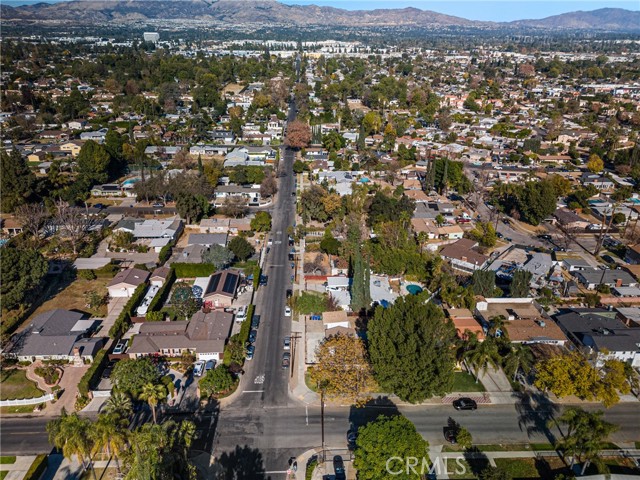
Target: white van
241,314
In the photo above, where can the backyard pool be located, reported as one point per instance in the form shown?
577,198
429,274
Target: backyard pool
414,289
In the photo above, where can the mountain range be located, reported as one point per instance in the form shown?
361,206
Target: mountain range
273,12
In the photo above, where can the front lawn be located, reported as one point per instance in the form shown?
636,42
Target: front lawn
465,382
518,467
16,386
308,303
7,460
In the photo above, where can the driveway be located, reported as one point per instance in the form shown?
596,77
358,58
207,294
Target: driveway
114,309
69,386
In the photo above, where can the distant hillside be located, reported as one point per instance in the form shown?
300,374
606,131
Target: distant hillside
271,11
602,19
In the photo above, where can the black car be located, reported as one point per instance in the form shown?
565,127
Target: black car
450,435
252,336
255,321
338,468
352,436
263,280
465,403
289,293
99,206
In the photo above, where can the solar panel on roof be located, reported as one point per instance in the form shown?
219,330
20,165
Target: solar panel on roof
213,284
230,283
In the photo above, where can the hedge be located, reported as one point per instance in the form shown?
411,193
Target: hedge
256,276
124,319
192,270
165,252
37,468
92,374
163,292
245,328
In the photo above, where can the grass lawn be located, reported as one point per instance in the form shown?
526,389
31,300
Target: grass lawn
519,467
72,296
16,386
512,447
465,382
310,384
3,474
17,409
101,474
7,460
453,467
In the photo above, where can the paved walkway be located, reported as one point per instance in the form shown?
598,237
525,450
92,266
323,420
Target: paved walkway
19,468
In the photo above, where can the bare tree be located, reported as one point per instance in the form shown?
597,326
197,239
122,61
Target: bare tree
73,223
32,216
235,207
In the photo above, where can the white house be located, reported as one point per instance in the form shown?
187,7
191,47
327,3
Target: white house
126,282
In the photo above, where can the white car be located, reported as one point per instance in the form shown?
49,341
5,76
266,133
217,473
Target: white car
198,369
287,311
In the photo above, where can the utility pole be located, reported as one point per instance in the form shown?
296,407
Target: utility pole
322,418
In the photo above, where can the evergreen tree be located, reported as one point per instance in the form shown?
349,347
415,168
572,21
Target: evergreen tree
360,289
17,181
520,284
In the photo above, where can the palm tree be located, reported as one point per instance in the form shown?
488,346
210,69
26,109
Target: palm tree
153,394
70,434
109,436
519,357
119,404
497,324
482,355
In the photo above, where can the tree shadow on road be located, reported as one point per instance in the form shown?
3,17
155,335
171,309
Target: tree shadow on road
536,414
371,410
243,463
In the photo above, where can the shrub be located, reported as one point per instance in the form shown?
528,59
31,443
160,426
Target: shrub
256,276
245,328
37,468
192,270
92,375
108,270
87,274
163,293
165,252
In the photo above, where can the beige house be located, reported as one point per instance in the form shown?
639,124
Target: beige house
126,282
73,147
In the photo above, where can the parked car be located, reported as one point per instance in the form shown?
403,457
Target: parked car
289,293
338,468
450,435
287,311
499,235
250,351
252,336
158,205
106,373
210,365
352,436
263,280
286,359
99,206
241,314
255,321
198,369
465,403
287,343
119,348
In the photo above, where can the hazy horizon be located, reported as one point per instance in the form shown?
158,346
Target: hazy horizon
493,10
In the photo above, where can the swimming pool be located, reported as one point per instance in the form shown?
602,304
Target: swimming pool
130,181
414,289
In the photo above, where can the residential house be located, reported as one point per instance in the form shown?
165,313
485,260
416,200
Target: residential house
632,254
205,335
72,147
57,335
126,281
170,228
221,289
251,193
107,190
208,239
463,255
159,276
598,181
600,331
570,220
98,136
592,278
465,323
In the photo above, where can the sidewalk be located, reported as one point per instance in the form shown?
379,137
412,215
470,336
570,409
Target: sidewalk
19,468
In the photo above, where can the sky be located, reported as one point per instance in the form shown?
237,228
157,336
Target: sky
491,10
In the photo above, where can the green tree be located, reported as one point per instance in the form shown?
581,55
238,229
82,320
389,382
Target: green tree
519,357
17,181
387,438
153,394
333,141
261,222
129,376
118,405
482,355
241,248
217,380
72,435
218,256
330,244
464,438
371,123
410,349
485,234
189,207
109,435
495,473
183,301
360,288
595,163
483,282
520,284
21,270
94,163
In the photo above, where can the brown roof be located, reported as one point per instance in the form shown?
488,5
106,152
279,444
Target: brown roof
529,330
161,272
463,250
131,276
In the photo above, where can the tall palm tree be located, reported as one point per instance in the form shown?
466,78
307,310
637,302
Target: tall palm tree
519,357
153,394
482,355
119,404
70,434
109,436
497,324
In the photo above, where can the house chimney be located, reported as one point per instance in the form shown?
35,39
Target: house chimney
618,282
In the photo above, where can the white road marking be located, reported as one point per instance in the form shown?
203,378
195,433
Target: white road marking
306,413
278,471
252,391
259,380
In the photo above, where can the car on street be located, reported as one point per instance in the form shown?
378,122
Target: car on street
465,403
250,351
119,348
263,280
289,293
252,336
338,468
499,235
198,369
286,360
106,373
450,435
508,239
158,205
255,321
352,436
287,311
99,206
287,343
